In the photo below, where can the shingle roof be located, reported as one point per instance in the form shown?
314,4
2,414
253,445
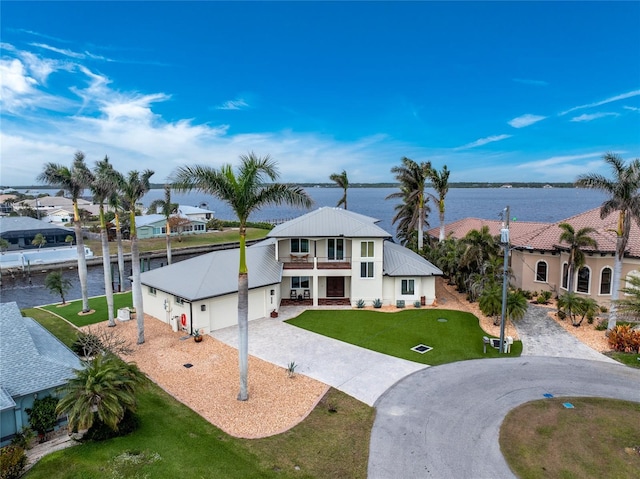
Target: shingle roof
9,224
215,274
545,236
330,222
32,358
401,261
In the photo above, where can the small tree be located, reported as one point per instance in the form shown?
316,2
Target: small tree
42,416
4,245
57,284
39,240
490,302
69,239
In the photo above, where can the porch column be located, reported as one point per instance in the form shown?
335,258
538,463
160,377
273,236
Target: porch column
314,294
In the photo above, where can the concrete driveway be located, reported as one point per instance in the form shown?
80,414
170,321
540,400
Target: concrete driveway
443,422
359,372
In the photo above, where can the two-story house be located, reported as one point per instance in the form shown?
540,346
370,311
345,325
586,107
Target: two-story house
329,256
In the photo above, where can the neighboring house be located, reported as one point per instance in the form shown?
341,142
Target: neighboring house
540,262
45,204
6,206
33,364
191,220
329,256
19,231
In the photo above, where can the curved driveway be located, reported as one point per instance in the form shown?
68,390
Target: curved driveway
443,422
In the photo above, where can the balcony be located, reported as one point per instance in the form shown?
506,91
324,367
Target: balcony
305,261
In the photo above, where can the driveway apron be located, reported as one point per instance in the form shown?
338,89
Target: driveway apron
359,372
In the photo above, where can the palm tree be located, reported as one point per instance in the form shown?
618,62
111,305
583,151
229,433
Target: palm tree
413,211
167,208
624,199
246,192
73,180
631,304
39,240
105,388
516,305
134,188
116,202
440,183
577,241
490,302
342,181
57,284
103,187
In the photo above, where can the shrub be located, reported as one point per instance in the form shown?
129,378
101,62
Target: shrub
377,303
99,431
602,325
12,462
360,303
625,339
603,309
416,304
562,315
400,303
23,438
42,416
544,297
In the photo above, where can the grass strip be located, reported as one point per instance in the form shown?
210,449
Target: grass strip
457,338
97,304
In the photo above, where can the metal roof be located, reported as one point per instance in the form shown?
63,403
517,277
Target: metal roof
400,261
147,220
192,210
32,358
12,224
330,222
215,274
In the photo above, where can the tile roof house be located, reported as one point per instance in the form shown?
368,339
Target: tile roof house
328,256
540,262
34,363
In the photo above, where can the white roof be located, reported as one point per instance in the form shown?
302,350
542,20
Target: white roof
147,220
401,261
215,274
330,222
192,210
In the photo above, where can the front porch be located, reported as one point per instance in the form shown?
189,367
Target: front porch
321,302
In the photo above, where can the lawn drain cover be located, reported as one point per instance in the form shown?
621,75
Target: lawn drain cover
442,320
568,405
188,365
185,337
421,348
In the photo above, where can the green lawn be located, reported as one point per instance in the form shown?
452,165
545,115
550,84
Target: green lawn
98,304
456,339
173,441
630,359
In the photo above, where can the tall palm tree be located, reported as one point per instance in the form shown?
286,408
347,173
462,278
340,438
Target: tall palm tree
167,208
576,241
342,181
245,191
135,186
105,388
413,212
116,202
440,183
624,199
103,187
73,180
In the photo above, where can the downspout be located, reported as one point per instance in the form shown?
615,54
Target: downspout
191,316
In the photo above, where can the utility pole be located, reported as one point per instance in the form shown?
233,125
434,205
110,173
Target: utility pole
504,240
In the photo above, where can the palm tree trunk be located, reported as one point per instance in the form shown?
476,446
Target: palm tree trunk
168,241
82,260
136,286
615,283
120,253
420,226
243,318
106,266
441,237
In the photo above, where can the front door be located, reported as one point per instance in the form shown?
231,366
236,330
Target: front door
335,287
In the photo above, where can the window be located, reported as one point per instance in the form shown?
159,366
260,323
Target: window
565,275
299,245
152,291
408,286
366,249
366,269
605,281
199,227
299,282
335,249
179,300
541,271
583,280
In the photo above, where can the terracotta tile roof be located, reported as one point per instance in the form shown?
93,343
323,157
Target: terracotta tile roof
544,236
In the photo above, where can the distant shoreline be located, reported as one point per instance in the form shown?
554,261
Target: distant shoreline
506,185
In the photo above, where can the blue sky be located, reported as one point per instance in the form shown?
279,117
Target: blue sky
501,91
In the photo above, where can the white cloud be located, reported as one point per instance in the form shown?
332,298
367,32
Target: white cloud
623,96
525,120
62,51
527,81
632,108
484,141
592,116
554,161
238,104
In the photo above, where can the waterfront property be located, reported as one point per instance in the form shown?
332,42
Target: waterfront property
33,364
187,220
20,231
540,262
329,256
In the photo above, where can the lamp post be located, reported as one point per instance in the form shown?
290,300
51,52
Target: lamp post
504,240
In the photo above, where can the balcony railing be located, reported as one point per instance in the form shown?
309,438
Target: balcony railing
306,261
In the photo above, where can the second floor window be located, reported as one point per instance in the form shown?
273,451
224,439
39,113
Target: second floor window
366,249
299,245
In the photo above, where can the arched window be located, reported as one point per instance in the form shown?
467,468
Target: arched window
541,271
565,275
583,278
605,280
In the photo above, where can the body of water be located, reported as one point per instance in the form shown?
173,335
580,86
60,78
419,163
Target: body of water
526,204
